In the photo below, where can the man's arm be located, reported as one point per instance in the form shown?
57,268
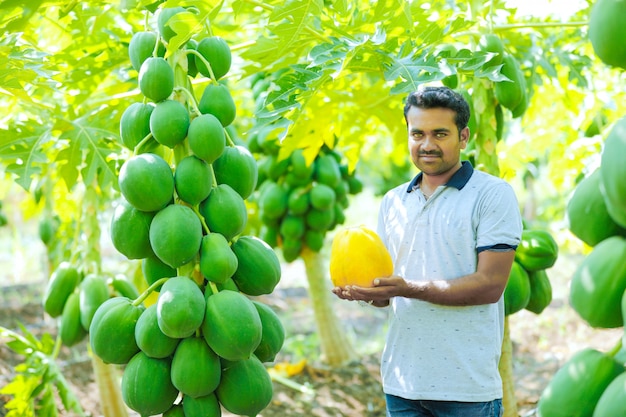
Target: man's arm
482,287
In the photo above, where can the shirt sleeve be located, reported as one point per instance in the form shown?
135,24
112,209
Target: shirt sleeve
500,219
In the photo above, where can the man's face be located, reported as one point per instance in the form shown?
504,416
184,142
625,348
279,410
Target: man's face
434,141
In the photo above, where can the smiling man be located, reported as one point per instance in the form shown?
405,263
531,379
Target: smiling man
452,233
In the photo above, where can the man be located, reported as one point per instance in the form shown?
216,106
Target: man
452,233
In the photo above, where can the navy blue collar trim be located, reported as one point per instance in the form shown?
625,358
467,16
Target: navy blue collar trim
458,180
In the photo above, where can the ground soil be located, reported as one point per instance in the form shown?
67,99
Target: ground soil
541,344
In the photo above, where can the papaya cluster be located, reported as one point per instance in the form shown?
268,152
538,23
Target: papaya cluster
72,297
299,202
596,212
203,344
529,286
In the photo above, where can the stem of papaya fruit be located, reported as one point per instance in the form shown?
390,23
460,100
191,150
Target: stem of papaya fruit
190,99
336,347
141,143
616,348
149,290
203,59
230,140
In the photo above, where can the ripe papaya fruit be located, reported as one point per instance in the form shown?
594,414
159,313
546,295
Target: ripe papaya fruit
193,179
141,47
196,369
166,13
510,93
154,269
149,337
147,182
246,387
612,402
206,406
175,235
237,167
258,271
112,330
322,196
180,307
537,250
224,211
326,170
272,335
577,386
206,137
147,386
232,326
587,215
70,329
216,52
517,291
130,231
169,123
135,124
156,79
92,291
216,100
217,261
63,281
540,291
598,284
273,200
613,172
606,30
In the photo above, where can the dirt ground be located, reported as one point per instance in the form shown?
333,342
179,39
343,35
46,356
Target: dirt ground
541,344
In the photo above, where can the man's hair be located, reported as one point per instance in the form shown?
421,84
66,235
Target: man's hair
439,97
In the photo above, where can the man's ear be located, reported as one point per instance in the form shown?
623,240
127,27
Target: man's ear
464,136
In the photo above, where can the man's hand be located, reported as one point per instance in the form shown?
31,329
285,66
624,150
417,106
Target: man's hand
379,294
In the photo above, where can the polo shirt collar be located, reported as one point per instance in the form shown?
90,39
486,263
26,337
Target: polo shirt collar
458,179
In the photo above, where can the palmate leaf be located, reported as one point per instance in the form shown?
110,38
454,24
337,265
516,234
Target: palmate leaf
90,152
21,151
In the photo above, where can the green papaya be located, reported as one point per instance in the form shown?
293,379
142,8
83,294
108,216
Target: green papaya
298,201
92,291
156,79
232,326
130,231
540,291
124,287
258,271
70,329
217,261
147,386
322,196
180,307
237,167
587,214
135,124
493,44
163,20
176,235
472,122
112,330
598,284
216,100
517,290
206,137
292,227
246,387
272,335
63,281
141,47
291,249
224,211
320,220
192,70
196,369
613,172
606,32
612,402
314,240
154,269
216,52
273,200
193,179
537,250
326,170
577,386
149,337
176,411
169,122
147,182
510,93
206,406
300,167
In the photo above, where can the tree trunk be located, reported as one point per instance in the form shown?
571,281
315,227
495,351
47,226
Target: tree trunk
107,378
335,346
506,372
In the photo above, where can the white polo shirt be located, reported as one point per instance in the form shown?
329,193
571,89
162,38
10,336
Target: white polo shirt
436,352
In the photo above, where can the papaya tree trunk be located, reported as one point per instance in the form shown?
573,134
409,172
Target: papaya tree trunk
335,347
506,372
107,379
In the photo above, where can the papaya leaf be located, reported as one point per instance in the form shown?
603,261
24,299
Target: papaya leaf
21,152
